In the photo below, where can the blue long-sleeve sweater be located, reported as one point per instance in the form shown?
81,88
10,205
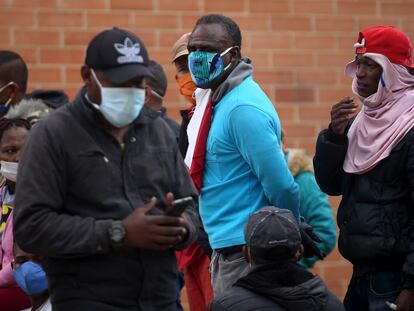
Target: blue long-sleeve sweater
245,167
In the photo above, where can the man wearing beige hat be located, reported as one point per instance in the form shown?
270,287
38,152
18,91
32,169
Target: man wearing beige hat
194,260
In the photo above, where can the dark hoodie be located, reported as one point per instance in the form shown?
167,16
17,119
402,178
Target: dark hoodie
278,287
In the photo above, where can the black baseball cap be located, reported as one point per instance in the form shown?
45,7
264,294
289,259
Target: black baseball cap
272,234
119,54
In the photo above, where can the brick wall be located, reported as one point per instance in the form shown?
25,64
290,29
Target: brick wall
298,48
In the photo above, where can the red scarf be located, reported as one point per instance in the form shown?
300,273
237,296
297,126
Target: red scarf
197,164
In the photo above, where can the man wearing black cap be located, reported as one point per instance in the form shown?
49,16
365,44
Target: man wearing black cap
89,182
276,282
155,91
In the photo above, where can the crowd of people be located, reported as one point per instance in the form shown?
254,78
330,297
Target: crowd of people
109,204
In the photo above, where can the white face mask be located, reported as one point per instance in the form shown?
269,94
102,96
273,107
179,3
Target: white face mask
9,170
119,105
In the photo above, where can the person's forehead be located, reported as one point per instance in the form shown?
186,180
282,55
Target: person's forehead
363,58
209,35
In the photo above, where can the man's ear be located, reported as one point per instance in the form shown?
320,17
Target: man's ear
236,53
148,94
86,75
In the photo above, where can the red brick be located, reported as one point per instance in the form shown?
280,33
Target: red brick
346,41
36,37
132,5
273,76
5,37
339,60
29,54
85,4
335,24
168,37
317,77
61,19
313,7
357,8
147,36
365,22
224,6
315,41
269,6
313,113
402,8
252,22
62,56
188,21
108,20
35,3
296,129
45,74
292,59
283,22
286,113
16,18
80,38
146,21
333,95
296,95
73,74
271,40
161,56
174,5
336,273
260,59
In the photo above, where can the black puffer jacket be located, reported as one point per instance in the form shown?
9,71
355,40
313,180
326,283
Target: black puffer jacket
375,216
278,287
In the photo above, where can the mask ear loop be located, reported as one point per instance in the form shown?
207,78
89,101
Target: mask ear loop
4,106
224,53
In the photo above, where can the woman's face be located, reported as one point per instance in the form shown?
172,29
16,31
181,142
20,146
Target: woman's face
368,75
11,143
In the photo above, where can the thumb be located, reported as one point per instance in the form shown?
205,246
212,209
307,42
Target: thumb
149,206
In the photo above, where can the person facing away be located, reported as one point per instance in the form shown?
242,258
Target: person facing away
276,281
155,90
31,278
235,172
89,180
195,259
314,204
13,86
369,160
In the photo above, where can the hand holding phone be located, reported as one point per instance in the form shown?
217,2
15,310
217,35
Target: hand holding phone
178,206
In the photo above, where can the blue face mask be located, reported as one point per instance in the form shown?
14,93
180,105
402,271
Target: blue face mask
206,66
31,278
119,105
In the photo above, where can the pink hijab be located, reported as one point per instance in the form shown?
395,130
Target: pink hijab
385,118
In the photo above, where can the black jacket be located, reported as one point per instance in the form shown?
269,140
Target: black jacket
278,287
74,178
375,216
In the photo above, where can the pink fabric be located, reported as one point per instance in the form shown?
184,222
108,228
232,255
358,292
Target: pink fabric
385,117
6,255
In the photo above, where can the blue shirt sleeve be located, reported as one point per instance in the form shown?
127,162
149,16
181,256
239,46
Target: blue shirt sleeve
254,132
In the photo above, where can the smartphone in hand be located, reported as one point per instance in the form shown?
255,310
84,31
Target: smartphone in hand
178,206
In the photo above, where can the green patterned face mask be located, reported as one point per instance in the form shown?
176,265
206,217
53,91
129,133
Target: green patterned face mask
206,66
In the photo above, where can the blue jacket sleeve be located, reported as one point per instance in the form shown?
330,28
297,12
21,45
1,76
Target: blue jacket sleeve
315,208
254,132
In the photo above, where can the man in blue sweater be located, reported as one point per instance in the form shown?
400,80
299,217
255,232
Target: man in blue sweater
244,166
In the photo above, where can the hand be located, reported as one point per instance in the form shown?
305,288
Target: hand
405,300
341,113
309,238
158,232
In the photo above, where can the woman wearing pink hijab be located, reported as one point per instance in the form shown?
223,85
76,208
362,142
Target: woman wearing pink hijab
369,160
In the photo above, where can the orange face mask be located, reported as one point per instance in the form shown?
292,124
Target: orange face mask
187,87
